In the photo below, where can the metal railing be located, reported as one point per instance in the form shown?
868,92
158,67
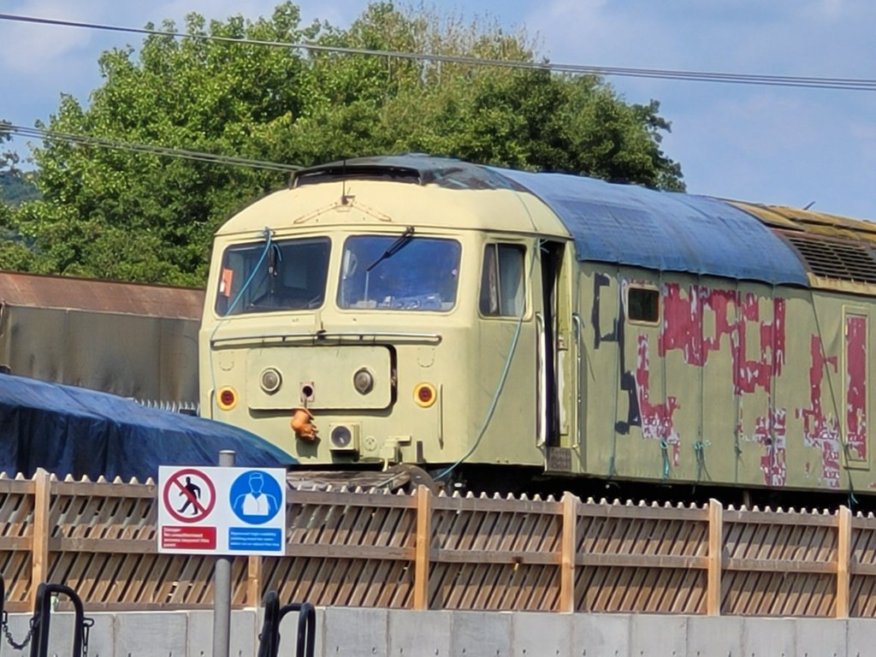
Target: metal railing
269,638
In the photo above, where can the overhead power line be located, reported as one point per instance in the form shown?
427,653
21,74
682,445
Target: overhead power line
100,142
848,84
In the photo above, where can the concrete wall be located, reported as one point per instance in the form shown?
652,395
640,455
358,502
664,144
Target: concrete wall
368,632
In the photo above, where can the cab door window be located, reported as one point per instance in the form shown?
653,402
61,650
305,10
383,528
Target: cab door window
502,290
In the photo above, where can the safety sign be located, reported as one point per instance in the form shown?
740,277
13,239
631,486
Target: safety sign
221,510
197,493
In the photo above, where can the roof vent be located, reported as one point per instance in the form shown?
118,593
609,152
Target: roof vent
832,258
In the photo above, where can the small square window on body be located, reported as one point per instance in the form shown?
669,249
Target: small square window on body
643,305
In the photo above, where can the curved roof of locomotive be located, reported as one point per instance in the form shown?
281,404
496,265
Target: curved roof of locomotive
632,225
621,224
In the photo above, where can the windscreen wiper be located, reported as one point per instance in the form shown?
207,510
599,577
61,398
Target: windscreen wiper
402,241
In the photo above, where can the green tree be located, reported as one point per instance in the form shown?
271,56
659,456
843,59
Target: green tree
132,215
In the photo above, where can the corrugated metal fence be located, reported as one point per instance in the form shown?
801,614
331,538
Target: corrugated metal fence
426,552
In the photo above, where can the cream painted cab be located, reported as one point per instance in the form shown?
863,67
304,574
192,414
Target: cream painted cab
394,324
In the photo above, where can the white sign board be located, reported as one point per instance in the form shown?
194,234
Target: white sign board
217,510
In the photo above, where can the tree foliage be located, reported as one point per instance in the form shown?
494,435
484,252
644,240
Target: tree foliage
138,216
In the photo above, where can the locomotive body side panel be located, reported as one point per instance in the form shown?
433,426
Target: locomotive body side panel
734,383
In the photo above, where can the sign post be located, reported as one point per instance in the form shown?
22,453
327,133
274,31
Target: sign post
222,588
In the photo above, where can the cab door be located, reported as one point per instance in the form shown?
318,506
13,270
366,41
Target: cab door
557,356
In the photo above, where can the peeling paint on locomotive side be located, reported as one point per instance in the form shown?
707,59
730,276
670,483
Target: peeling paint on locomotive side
683,330
820,430
771,432
856,387
656,418
736,320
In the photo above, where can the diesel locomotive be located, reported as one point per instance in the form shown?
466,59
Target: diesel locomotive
420,314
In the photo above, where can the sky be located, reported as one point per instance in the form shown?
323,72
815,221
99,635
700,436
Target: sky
764,144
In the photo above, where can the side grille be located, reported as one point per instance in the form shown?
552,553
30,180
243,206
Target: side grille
846,260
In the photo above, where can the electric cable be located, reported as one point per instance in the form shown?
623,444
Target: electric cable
836,83
183,153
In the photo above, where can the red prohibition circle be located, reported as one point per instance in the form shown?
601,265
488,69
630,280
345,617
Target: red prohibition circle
203,511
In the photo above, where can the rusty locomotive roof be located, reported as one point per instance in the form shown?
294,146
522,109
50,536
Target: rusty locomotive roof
33,290
838,252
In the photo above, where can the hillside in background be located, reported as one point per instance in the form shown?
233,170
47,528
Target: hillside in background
15,189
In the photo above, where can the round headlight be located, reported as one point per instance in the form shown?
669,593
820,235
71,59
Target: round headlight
271,380
363,381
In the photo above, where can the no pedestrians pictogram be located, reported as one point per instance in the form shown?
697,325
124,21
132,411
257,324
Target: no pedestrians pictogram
189,495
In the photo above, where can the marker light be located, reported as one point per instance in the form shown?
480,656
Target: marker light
424,394
227,398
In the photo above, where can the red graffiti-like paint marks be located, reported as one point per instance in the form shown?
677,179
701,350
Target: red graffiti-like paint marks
683,330
683,321
656,418
819,430
748,375
732,312
856,386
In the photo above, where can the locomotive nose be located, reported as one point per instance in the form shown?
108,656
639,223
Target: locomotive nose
319,379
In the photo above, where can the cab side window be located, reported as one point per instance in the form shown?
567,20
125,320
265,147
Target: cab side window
502,281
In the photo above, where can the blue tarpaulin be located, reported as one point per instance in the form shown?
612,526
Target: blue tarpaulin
79,432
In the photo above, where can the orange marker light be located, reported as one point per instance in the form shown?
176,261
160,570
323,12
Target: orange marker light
425,394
